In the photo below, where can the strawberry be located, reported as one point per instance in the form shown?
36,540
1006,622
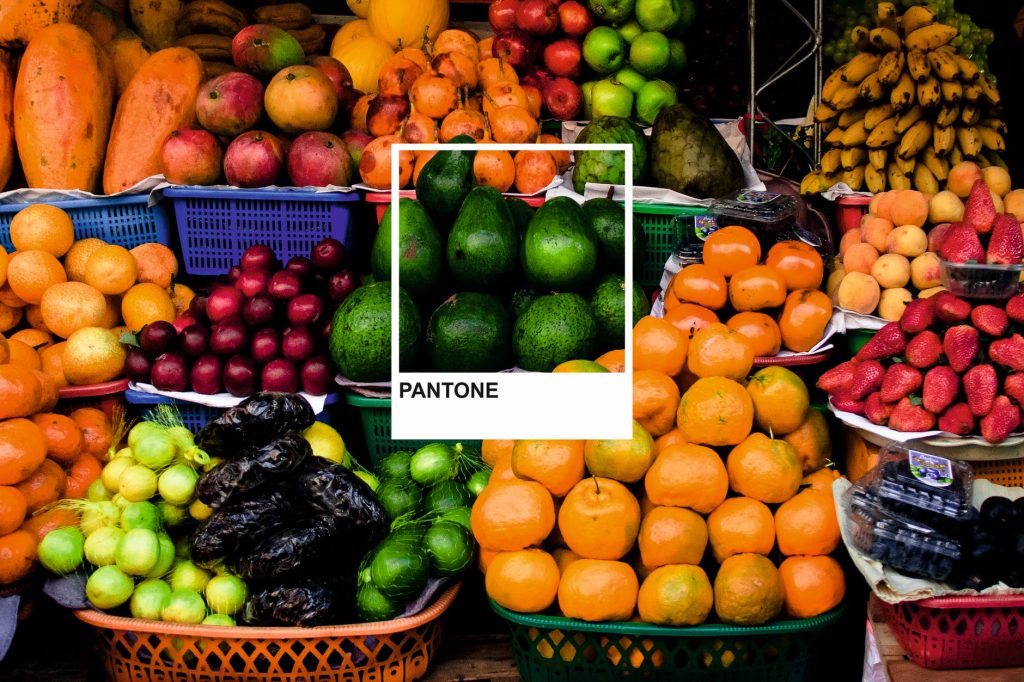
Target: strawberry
1008,352
924,350
1013,386
1015,308
941,384
979,210
1006,244
937,235
962,245
981,385
845,403
1001,421
838,379
866,378
988,319
908,416
875,410
950,309
961,346
888,341
918,315
900,381
957,420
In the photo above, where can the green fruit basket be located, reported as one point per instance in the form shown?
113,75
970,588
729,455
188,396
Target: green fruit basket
375,414
664,226
549,648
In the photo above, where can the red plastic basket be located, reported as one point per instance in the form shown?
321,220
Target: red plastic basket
383,199
108,396
947,633
792,360
849,211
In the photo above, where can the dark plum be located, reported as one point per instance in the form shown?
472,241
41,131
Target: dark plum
157,338
170,372
280,375
206,375
223,302
233,272
198,308
195,340
184,320
298,344
252,282
284,284
341,284
228,337
258,257
328,255
265,346
259,310
137,365
305,310
240,376
300,265
316,375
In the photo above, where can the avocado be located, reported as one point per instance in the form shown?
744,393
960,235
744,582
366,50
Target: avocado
560,248
608,220
469,332
521,300
360,340
483,243
521,212
608,303
421,251
445,181
555,328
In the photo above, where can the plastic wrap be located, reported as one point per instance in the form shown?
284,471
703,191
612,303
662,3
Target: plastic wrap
230,480
243,521
306,602
282,455
334,490
305,544
254,422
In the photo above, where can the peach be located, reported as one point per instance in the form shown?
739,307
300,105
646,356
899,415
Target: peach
998,201
892,302
834,279
997,179
924,271
962,177
891,271
945,207
909,208
851,237
931,291
875,231
883,209
873,206
859,293
1013,203
907,240
860,258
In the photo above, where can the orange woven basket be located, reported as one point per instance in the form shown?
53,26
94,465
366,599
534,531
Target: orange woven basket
397,650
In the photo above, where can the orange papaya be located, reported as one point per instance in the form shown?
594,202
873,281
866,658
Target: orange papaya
20,20
128,52
7,148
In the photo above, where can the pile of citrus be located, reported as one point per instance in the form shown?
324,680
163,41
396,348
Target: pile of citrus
776,304
71,311
681,519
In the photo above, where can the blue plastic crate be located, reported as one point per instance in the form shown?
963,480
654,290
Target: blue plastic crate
193,415
126,220
215,226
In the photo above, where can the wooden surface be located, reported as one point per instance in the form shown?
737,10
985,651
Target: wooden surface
902,669
468,658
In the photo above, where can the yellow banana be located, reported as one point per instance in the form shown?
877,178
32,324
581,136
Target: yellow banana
909,118
877,158
827,126
885,15
916,17
845,97
970,114
824,112
852,157
943,65
834,137
830,160
969,71
930,37
891,66
929,93
854,178
884,39
924,180
914,140
902,95
952,91
918,66
832,83
943,139
812,183
973,91
905,165
897,178
877,114
955,156
860,67
991,139
855,135
968,140
860,37
982,162
874,179
994,159
994,123
850,116
948,114
938,166
871,89
884,135
989,91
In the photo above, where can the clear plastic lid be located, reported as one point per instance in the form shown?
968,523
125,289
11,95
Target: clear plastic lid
751,207
929,485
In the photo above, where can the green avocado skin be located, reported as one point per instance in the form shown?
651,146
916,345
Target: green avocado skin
483,244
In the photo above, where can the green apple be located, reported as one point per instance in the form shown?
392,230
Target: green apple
657,15
611,11
604,49
630,30
588,99
653,97
611,98
649,53
631,78
687,17
677,60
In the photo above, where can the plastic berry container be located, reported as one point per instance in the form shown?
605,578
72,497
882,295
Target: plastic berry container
766,214
981,280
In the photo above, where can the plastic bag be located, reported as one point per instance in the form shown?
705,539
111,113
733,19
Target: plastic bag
332,489
306,602
307,543
245,520
229,480
282,455
254,421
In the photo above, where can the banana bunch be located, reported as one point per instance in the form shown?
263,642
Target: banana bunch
210,17
905,109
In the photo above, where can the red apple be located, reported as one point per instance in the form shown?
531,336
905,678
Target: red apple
575,19
336,72
191,156
355,141
254,159
564,58
319,159
258,257
537,17
563,98
516,47
502,14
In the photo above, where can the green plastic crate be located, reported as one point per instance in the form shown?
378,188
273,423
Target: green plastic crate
663,225
549,648
375,413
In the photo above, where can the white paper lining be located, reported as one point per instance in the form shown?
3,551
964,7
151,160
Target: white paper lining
219,400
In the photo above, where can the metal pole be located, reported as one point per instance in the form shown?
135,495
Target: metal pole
752,42
819,65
